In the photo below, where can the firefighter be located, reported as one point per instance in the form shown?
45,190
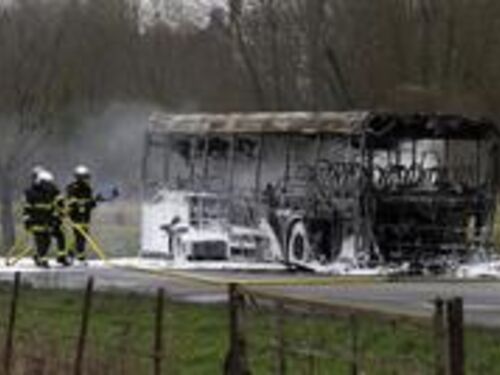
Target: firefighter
41,215
58,213
81,202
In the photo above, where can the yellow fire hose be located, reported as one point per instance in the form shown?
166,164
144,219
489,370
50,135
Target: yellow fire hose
13,259
93,243
210,280
20,250
14,256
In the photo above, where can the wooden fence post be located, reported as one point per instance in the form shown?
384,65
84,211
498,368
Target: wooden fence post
439,337
158,339
235,363
353,322
82,337
455,328
281,342
9,337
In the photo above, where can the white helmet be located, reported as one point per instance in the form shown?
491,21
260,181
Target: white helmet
45,176
82,171
35,171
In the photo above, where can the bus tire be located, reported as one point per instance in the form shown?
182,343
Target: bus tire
298,246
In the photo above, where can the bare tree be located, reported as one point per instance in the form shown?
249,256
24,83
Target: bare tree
29,96
62,60
55,60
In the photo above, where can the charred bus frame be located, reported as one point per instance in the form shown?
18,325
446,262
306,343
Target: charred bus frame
349,181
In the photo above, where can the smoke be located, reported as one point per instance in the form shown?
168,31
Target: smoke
110,143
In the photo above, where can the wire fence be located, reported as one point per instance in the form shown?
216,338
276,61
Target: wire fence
273,334
261,332
84,332
85,335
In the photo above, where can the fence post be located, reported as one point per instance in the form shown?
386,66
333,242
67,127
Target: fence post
9,338
82,337
158,340
354,344
235,363
280,332
455,329
439,337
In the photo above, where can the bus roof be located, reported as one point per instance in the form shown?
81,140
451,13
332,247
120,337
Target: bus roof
377,125
258,122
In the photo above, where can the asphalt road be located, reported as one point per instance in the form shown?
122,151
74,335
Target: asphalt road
481,298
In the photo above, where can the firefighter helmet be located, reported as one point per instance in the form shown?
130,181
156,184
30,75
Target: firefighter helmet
35,171
45,176
82,171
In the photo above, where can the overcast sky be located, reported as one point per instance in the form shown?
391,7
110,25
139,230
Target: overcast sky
194,11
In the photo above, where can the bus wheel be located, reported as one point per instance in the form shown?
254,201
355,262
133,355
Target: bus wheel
299,248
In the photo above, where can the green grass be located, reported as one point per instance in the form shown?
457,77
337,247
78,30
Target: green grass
196,338
120,338
121,332
117,228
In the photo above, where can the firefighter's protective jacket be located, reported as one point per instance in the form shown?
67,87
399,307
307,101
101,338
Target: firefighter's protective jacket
80,201
43,207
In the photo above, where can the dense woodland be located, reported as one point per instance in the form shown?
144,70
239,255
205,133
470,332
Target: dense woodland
64,60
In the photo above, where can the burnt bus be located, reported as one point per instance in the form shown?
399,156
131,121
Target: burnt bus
310,188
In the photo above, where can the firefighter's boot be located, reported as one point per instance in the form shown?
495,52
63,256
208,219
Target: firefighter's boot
41,261
63,260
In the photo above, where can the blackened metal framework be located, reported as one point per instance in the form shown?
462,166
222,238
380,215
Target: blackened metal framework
397,210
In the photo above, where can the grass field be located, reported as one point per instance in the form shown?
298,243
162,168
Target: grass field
121,336
117,228
121,332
